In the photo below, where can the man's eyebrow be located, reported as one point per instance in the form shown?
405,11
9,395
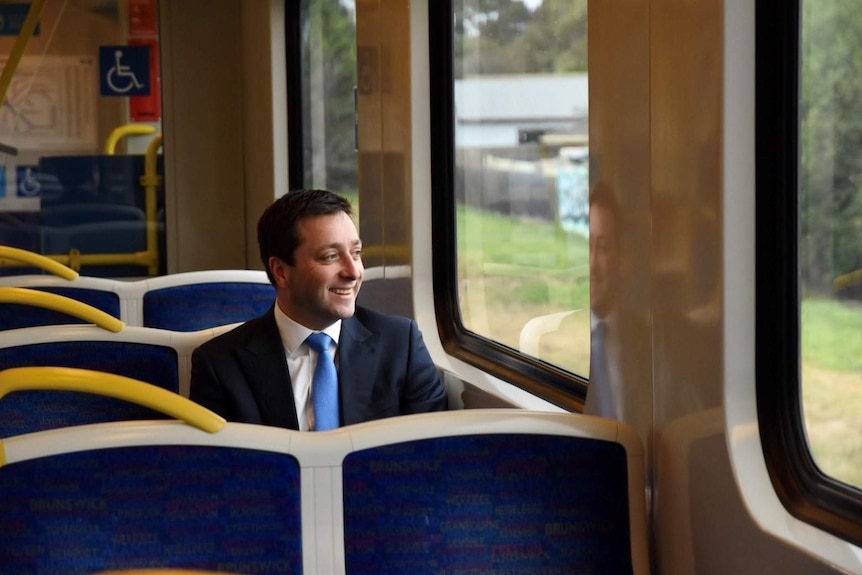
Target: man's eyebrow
337,245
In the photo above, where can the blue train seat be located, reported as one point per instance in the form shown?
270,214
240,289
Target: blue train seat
188,301
145,495
158,357
496,492
197,300
14,315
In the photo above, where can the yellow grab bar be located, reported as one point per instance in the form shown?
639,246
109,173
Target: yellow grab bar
121,132
39,261
151,180
61,303
110,385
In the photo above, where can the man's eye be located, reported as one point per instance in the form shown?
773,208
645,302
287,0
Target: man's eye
357,254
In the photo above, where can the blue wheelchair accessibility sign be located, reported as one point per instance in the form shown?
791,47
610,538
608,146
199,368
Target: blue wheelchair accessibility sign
124,70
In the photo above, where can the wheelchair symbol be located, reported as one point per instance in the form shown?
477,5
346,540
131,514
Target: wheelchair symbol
120,78
29,185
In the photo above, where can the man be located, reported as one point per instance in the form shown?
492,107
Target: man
620,367
262,371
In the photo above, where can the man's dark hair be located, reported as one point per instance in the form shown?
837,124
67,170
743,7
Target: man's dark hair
602,196
278,226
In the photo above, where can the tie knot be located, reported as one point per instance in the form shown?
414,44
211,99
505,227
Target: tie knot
319,342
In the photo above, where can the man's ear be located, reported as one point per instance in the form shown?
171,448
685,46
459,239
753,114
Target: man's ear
280,271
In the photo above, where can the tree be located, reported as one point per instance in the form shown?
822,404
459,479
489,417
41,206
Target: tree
831,135
505,37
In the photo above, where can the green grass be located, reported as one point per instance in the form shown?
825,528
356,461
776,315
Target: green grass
832,385
536,263
832,334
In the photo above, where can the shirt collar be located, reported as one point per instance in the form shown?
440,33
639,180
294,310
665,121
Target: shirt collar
293,334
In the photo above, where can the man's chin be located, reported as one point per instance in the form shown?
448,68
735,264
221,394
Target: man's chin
344,312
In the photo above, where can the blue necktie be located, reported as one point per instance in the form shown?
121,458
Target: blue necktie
600,396
324,386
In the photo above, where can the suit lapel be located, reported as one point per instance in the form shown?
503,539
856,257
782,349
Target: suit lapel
264,364
356,358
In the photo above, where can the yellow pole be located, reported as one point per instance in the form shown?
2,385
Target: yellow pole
151,181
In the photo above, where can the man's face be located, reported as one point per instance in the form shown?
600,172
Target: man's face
604,260
322,285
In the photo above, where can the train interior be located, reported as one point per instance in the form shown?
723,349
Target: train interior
140,140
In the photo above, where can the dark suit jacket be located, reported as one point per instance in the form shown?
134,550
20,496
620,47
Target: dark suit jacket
384,369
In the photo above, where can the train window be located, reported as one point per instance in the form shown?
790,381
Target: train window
329,96
81,114
809,255
521,175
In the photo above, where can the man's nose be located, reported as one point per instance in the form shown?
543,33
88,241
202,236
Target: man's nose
352,268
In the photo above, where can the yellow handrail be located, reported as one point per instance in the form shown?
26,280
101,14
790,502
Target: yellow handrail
151,181
149,258
62,304
110,385
121,132
39,261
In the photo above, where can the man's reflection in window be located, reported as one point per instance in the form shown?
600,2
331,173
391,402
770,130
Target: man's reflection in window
619,356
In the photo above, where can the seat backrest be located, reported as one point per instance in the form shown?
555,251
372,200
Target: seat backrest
149,494
13,316
159,357
197,300
527,492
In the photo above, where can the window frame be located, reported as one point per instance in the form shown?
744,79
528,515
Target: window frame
293,61
805,491
549,382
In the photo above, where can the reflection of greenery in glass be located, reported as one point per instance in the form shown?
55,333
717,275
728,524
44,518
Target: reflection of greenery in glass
831,234
329,75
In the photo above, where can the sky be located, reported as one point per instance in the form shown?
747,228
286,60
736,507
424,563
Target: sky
531,4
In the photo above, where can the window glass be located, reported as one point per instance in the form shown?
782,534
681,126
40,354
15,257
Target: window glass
831,236
330,139
81,108
522,173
